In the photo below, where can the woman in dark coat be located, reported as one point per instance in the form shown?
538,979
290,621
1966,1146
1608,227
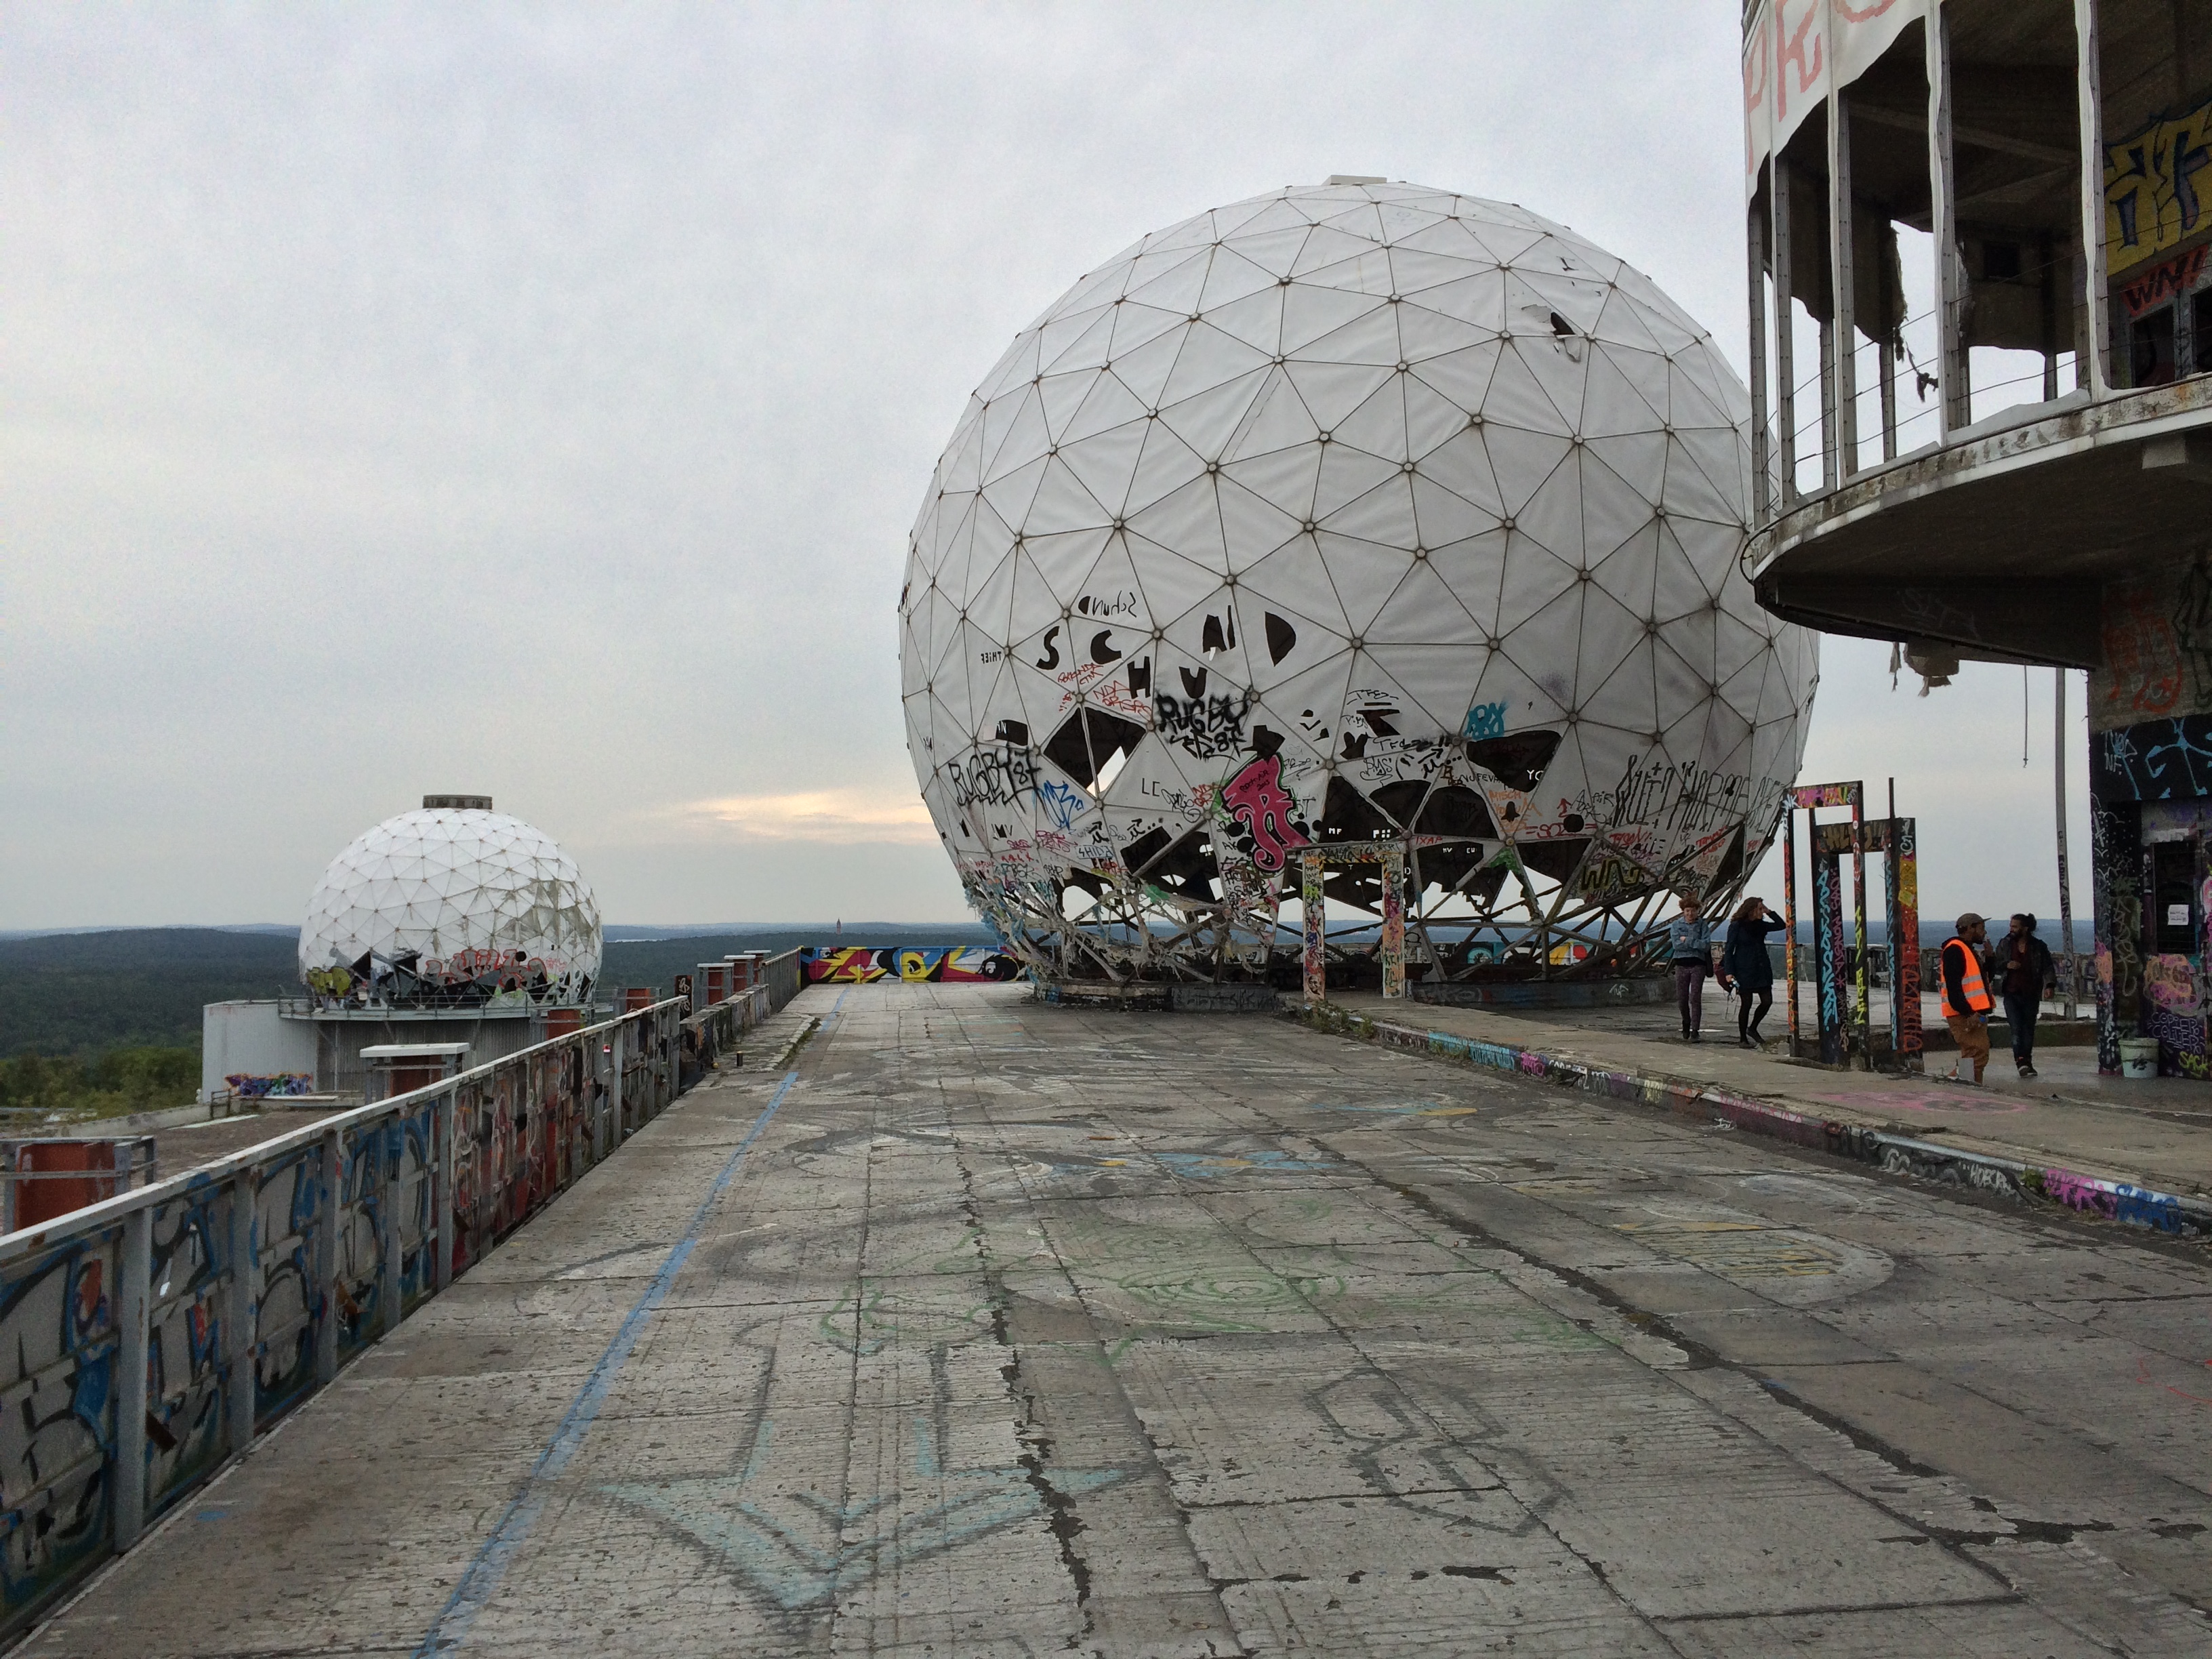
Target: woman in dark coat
1745,969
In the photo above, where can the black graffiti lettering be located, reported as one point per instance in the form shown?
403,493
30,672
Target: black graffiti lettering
1218,634
1141,677
1282,638
1379,717
1193,685
1355,745
1102,647
1051,658
1206,727
995,777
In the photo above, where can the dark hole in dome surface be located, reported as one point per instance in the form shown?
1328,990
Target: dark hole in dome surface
1555,859
1186,866
1518,761
1085,759
1347,815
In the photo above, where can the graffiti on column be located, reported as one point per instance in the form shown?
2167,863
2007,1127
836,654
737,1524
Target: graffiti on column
1904,936
1394,926
2116,922
1316,911
1828,951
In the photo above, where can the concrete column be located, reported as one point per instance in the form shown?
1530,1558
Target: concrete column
1955,398
1785,357
1762,494
1831,451
1317,949
2089,80
1841,275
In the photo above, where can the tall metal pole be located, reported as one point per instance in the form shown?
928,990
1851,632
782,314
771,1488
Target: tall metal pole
2065,880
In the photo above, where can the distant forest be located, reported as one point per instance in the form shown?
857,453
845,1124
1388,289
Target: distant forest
86,995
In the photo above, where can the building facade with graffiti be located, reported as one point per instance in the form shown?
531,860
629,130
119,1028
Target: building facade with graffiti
1912,485
1353,514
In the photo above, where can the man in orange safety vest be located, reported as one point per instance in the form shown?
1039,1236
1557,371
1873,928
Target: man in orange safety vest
1966,1001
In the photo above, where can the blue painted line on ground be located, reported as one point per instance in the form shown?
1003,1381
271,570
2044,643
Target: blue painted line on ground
481,1580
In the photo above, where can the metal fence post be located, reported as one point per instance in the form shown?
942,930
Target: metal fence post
621,1103
244,1310
391,1280
330,1173
131,1333
443,1113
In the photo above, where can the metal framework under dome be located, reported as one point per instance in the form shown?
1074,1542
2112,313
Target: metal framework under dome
1349,515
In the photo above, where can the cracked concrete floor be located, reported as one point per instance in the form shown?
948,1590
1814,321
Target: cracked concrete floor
1021,1330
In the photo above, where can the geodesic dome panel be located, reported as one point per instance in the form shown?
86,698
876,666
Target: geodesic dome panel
1348,513
485,905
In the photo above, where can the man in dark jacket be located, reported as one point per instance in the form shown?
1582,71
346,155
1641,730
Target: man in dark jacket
2024,971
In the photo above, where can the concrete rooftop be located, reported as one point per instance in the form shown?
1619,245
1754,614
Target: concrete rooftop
992,1329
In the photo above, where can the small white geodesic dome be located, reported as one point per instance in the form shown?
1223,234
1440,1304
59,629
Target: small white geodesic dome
1351,512
486,906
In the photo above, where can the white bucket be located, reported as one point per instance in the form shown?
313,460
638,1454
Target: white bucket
2138,1056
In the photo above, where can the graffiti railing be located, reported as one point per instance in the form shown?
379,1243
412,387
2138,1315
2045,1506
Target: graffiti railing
151,1336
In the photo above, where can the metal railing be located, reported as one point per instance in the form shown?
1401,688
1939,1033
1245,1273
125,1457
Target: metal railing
130,1160
151,1336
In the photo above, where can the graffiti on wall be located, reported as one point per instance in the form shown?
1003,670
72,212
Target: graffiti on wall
1256,799
2154,186
2116,871
2157,639
58,1320
519,1137
249,1085
2154,760
945,964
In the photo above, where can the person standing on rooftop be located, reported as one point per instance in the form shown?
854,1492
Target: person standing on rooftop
2024,971
1965,998
1748,970
1689,946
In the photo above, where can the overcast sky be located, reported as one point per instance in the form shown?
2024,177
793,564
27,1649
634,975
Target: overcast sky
534,402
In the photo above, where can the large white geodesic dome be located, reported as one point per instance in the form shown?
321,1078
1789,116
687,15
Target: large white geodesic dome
450,905
1351,514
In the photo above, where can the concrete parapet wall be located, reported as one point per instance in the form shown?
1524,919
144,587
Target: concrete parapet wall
2117,1201
1542,993
151,1337
1197,998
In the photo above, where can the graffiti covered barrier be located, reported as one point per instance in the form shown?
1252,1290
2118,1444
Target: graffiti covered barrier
947,964
150,1337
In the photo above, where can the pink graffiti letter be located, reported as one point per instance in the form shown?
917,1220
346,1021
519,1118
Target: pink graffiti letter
1257,801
